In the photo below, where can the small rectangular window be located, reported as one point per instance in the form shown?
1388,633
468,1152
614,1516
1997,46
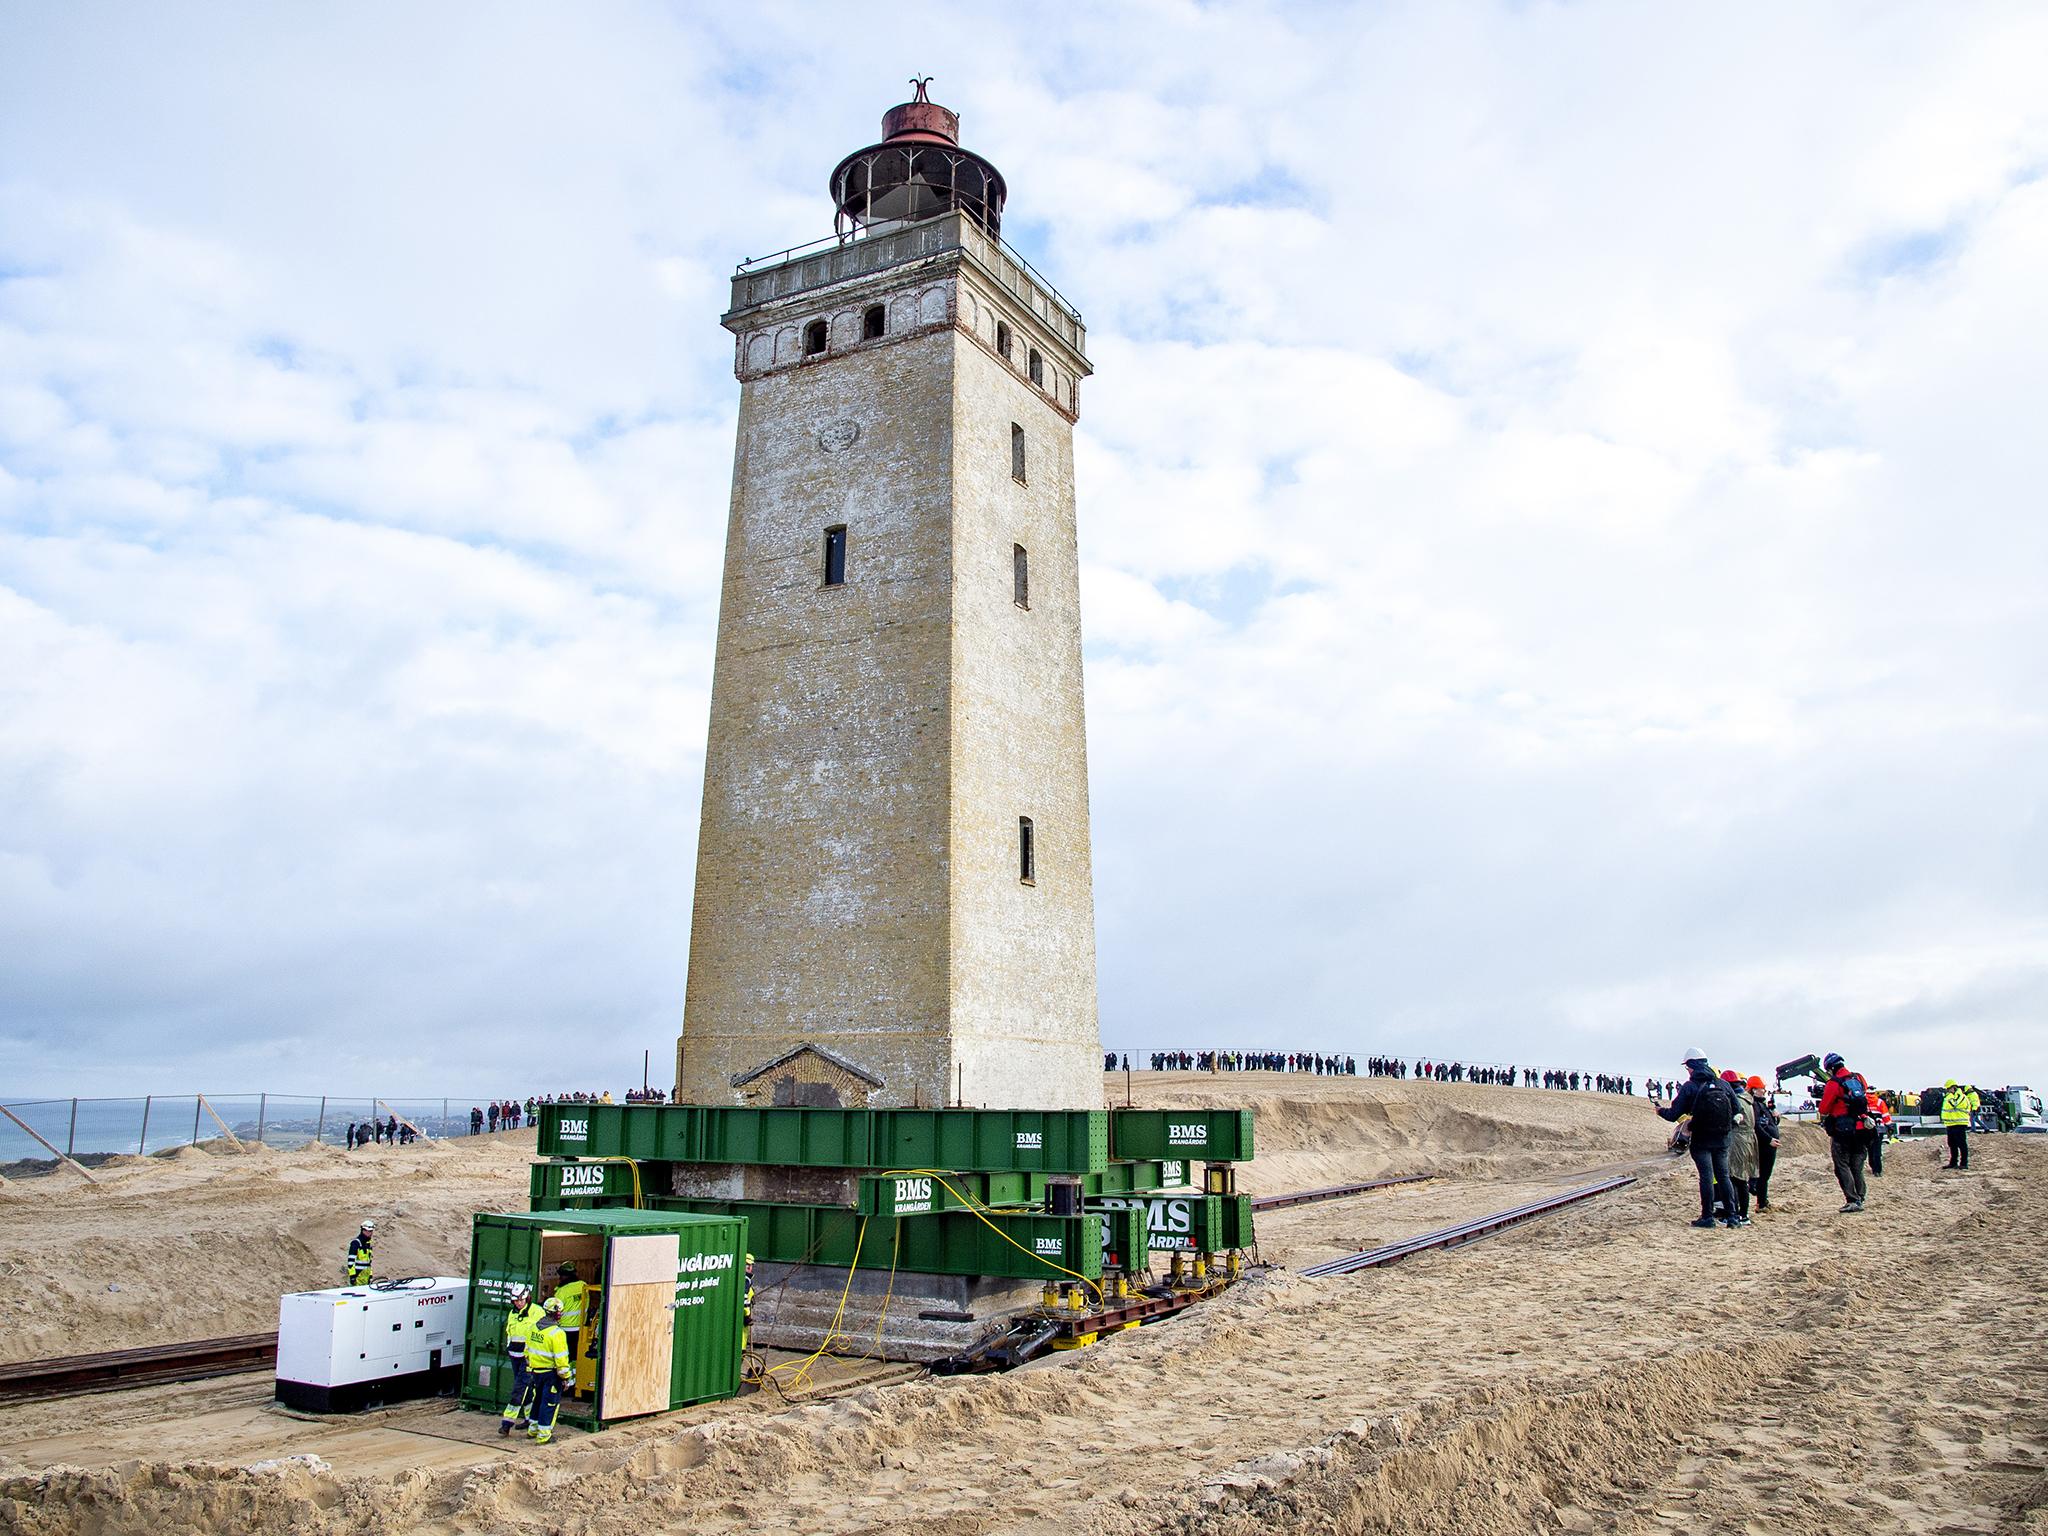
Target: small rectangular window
1027,855
835,556
872,322
1016,453
1020,575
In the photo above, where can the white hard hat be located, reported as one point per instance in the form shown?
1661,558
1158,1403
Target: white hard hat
1693,1053
369,1226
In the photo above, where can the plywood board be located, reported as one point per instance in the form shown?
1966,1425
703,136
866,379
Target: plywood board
649,1260
639,1347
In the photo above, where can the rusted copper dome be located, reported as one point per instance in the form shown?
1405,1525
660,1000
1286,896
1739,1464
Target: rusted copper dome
918,171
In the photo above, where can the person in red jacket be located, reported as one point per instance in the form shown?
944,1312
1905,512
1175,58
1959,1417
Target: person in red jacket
1880,1127
1844,1115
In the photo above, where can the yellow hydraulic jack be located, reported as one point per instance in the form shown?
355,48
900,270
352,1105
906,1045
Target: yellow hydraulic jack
1074,1302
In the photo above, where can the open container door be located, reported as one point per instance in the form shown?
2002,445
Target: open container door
639,1325
503,1256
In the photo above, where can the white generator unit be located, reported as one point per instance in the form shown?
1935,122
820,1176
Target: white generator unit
343,1349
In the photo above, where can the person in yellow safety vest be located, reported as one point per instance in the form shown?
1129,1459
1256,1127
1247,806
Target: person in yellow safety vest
549,1369
1959,1101
747,1307
521,1323
574,1296
359,1267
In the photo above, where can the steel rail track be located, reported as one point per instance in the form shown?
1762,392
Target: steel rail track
1333,1192
1464,1232
153,1365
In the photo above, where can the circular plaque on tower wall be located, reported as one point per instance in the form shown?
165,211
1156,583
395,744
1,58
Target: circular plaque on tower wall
838,436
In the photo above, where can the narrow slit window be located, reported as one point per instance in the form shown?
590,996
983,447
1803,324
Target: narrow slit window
1003,338
814,338
835,556
1016,453
1020,575
1037,368
1027,852
872,323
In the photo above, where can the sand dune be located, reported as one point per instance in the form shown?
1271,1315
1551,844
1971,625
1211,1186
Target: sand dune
1608,1369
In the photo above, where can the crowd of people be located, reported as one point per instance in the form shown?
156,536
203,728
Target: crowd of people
1731,1126
503,1115
508,1114
1240,1061
1422,1069
377,1132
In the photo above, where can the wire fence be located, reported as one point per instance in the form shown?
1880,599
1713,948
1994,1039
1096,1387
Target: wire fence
35,1130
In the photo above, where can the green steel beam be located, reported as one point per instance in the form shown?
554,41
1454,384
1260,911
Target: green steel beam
1213,1135
1188,1223
567,1185
1124,1242
979,1140
1237,1221
1020,1245
909,1194
914,1194
1125,1178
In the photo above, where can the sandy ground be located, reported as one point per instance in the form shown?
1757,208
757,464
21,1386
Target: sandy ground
1607,1369
199,1244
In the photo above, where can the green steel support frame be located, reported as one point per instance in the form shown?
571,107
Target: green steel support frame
1077,1141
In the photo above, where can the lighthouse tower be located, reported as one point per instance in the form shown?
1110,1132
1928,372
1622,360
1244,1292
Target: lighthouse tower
893,901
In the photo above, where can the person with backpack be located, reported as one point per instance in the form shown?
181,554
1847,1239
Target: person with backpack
1767,1128
1707,1100
1845,1116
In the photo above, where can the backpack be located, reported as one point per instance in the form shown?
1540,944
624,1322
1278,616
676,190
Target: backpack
1855,1096
1713,1111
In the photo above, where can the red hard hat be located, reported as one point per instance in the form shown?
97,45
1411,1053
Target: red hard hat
1756,1082
1729,1076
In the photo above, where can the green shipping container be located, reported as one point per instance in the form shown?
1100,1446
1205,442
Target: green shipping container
667,1299
1213,1135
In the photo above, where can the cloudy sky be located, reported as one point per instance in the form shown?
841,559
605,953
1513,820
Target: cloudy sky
1562,501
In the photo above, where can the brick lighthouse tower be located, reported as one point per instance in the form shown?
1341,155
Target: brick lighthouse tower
894,901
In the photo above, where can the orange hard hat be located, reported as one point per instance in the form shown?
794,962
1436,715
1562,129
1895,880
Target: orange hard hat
1756,1082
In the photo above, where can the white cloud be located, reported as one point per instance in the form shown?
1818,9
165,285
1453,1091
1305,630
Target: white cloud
1560,518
